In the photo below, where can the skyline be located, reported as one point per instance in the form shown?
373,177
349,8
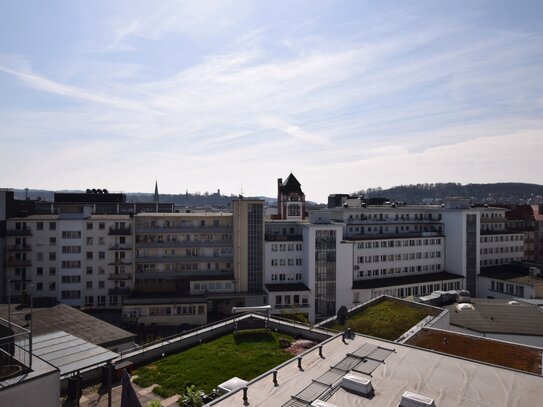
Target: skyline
206,95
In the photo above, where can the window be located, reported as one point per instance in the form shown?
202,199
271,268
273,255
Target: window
39,271
52,226
52,256
52,271
39,256
89,255
52,241
52,287
89,284
71,294
39,286
89,227
101,225
101,284
70,279
101,255
89,240
278,300
39,226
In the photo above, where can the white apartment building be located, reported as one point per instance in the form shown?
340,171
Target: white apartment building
80,259
393,249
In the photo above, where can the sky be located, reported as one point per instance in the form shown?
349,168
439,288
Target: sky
231,95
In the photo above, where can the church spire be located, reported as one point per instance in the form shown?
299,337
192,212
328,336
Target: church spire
155,197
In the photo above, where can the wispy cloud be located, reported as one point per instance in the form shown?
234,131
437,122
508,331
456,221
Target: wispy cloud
362,102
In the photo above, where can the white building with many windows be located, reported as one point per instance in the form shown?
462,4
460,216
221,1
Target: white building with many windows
80,259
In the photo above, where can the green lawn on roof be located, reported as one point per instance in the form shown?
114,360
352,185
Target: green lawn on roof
246,355
387,319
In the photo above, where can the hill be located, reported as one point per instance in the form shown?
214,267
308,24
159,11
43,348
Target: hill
502,192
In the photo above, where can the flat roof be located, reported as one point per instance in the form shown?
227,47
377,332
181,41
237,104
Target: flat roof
393,368
68,352
487,350
62,317
498,316
287,287
181,214
512,274
404,280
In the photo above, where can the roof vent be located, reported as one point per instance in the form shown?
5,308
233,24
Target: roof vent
534,271
410,399
513,302
320,403
357,384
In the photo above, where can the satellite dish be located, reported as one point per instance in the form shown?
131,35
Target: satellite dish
342,315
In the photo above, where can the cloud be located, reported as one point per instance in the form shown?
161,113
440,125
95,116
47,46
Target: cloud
344,106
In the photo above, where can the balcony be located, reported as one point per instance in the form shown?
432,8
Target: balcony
18,263
120,276
19,232
214,243
119,291
120,231
184,259
120,247
283,238
19,248
184,229
120,262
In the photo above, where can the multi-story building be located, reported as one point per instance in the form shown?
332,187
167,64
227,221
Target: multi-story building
193,265
80,259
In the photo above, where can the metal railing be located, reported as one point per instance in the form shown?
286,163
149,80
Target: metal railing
15,350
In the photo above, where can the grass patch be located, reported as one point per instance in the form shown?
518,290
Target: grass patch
387,319
246,355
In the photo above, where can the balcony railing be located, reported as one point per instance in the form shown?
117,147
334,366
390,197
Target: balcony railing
120,276
283,238
19,248
184,229
120,231
19,232
120,247
120,262
18,263
119,291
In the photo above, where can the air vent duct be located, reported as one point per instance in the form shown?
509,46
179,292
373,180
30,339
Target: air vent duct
410,399
357,384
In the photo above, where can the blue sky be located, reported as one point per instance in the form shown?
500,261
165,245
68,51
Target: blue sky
202,95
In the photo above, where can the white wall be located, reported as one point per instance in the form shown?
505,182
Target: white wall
42,391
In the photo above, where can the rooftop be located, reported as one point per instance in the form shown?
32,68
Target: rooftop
61,317
393,368
287,287
512,273
404,280
487,350
499,316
